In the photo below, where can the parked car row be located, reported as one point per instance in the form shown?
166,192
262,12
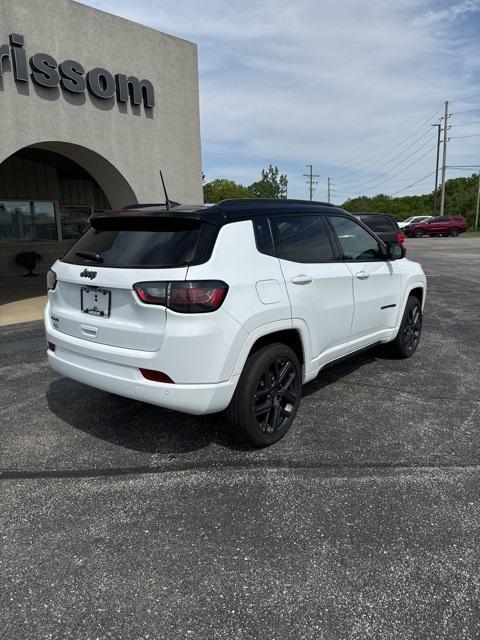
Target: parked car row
389,230
413,220
437,226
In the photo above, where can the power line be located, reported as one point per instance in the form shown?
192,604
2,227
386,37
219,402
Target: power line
363,184
457,113
476,95
472,135
375,186
465,124
413,184
389,140
382,166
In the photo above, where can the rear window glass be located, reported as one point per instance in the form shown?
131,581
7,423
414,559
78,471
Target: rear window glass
302,239
263,236
127,248
378,223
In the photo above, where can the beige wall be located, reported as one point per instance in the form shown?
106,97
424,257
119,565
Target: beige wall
111,140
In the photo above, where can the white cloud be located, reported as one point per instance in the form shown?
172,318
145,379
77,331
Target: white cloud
321,82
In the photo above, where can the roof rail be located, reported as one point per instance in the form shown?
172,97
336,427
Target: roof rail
239,202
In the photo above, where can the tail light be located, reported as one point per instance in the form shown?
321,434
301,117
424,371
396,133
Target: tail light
51,280
400,238
191,296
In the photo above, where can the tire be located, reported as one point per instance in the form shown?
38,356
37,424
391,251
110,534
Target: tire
408,337
454,232
267,396
418,233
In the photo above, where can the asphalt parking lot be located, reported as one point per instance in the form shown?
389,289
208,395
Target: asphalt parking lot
121,520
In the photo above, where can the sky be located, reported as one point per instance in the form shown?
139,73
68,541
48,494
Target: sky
349,86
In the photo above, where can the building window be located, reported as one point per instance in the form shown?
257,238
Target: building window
27,221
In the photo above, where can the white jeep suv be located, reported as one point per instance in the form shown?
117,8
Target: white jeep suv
233,306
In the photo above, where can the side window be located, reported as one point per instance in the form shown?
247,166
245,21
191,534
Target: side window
263,236
378,223
302,238
357,244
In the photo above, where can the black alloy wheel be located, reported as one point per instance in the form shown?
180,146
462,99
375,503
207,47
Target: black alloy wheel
408,336
418,233
412,328
276,395
267,396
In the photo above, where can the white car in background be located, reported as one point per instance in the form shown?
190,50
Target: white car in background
413,220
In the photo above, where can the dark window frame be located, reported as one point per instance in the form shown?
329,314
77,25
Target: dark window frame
256,232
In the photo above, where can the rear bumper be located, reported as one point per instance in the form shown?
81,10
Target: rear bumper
127,381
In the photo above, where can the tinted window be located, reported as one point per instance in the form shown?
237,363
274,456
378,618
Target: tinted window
263,236
378,223
302,238
135,248
356,243
440,219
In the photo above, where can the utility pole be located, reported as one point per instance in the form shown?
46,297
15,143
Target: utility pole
478,204
436,169
311,182
329,189
444,162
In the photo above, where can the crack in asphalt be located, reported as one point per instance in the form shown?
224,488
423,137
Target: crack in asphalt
262,465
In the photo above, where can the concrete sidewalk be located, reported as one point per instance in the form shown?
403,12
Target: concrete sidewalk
22,299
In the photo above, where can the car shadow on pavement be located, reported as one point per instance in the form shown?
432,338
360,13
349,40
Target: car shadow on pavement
143,427
136,425
331,374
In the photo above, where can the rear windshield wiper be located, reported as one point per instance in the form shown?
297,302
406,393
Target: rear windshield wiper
90,255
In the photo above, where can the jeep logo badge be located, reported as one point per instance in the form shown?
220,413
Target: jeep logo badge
88,274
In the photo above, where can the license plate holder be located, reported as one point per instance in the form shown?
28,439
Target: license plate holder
96,301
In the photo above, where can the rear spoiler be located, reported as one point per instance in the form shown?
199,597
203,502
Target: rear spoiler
172,205
141,220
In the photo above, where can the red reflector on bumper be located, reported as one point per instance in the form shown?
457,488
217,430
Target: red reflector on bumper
156,376
51,346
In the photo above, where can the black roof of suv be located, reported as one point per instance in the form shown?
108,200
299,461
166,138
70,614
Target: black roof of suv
218,213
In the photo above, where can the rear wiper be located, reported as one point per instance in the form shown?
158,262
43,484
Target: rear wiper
89,255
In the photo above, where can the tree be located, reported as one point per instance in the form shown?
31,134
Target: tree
271,184
221,189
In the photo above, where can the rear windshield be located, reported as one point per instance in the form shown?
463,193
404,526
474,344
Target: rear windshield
378,223
130,248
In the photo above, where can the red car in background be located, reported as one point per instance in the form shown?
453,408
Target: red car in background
440,226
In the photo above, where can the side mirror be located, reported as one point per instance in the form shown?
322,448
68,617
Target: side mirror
395,251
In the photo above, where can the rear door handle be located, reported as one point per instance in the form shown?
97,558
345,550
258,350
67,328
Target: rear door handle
302,279
362,275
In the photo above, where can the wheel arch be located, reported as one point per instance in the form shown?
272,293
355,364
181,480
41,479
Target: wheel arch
296,337
417,292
